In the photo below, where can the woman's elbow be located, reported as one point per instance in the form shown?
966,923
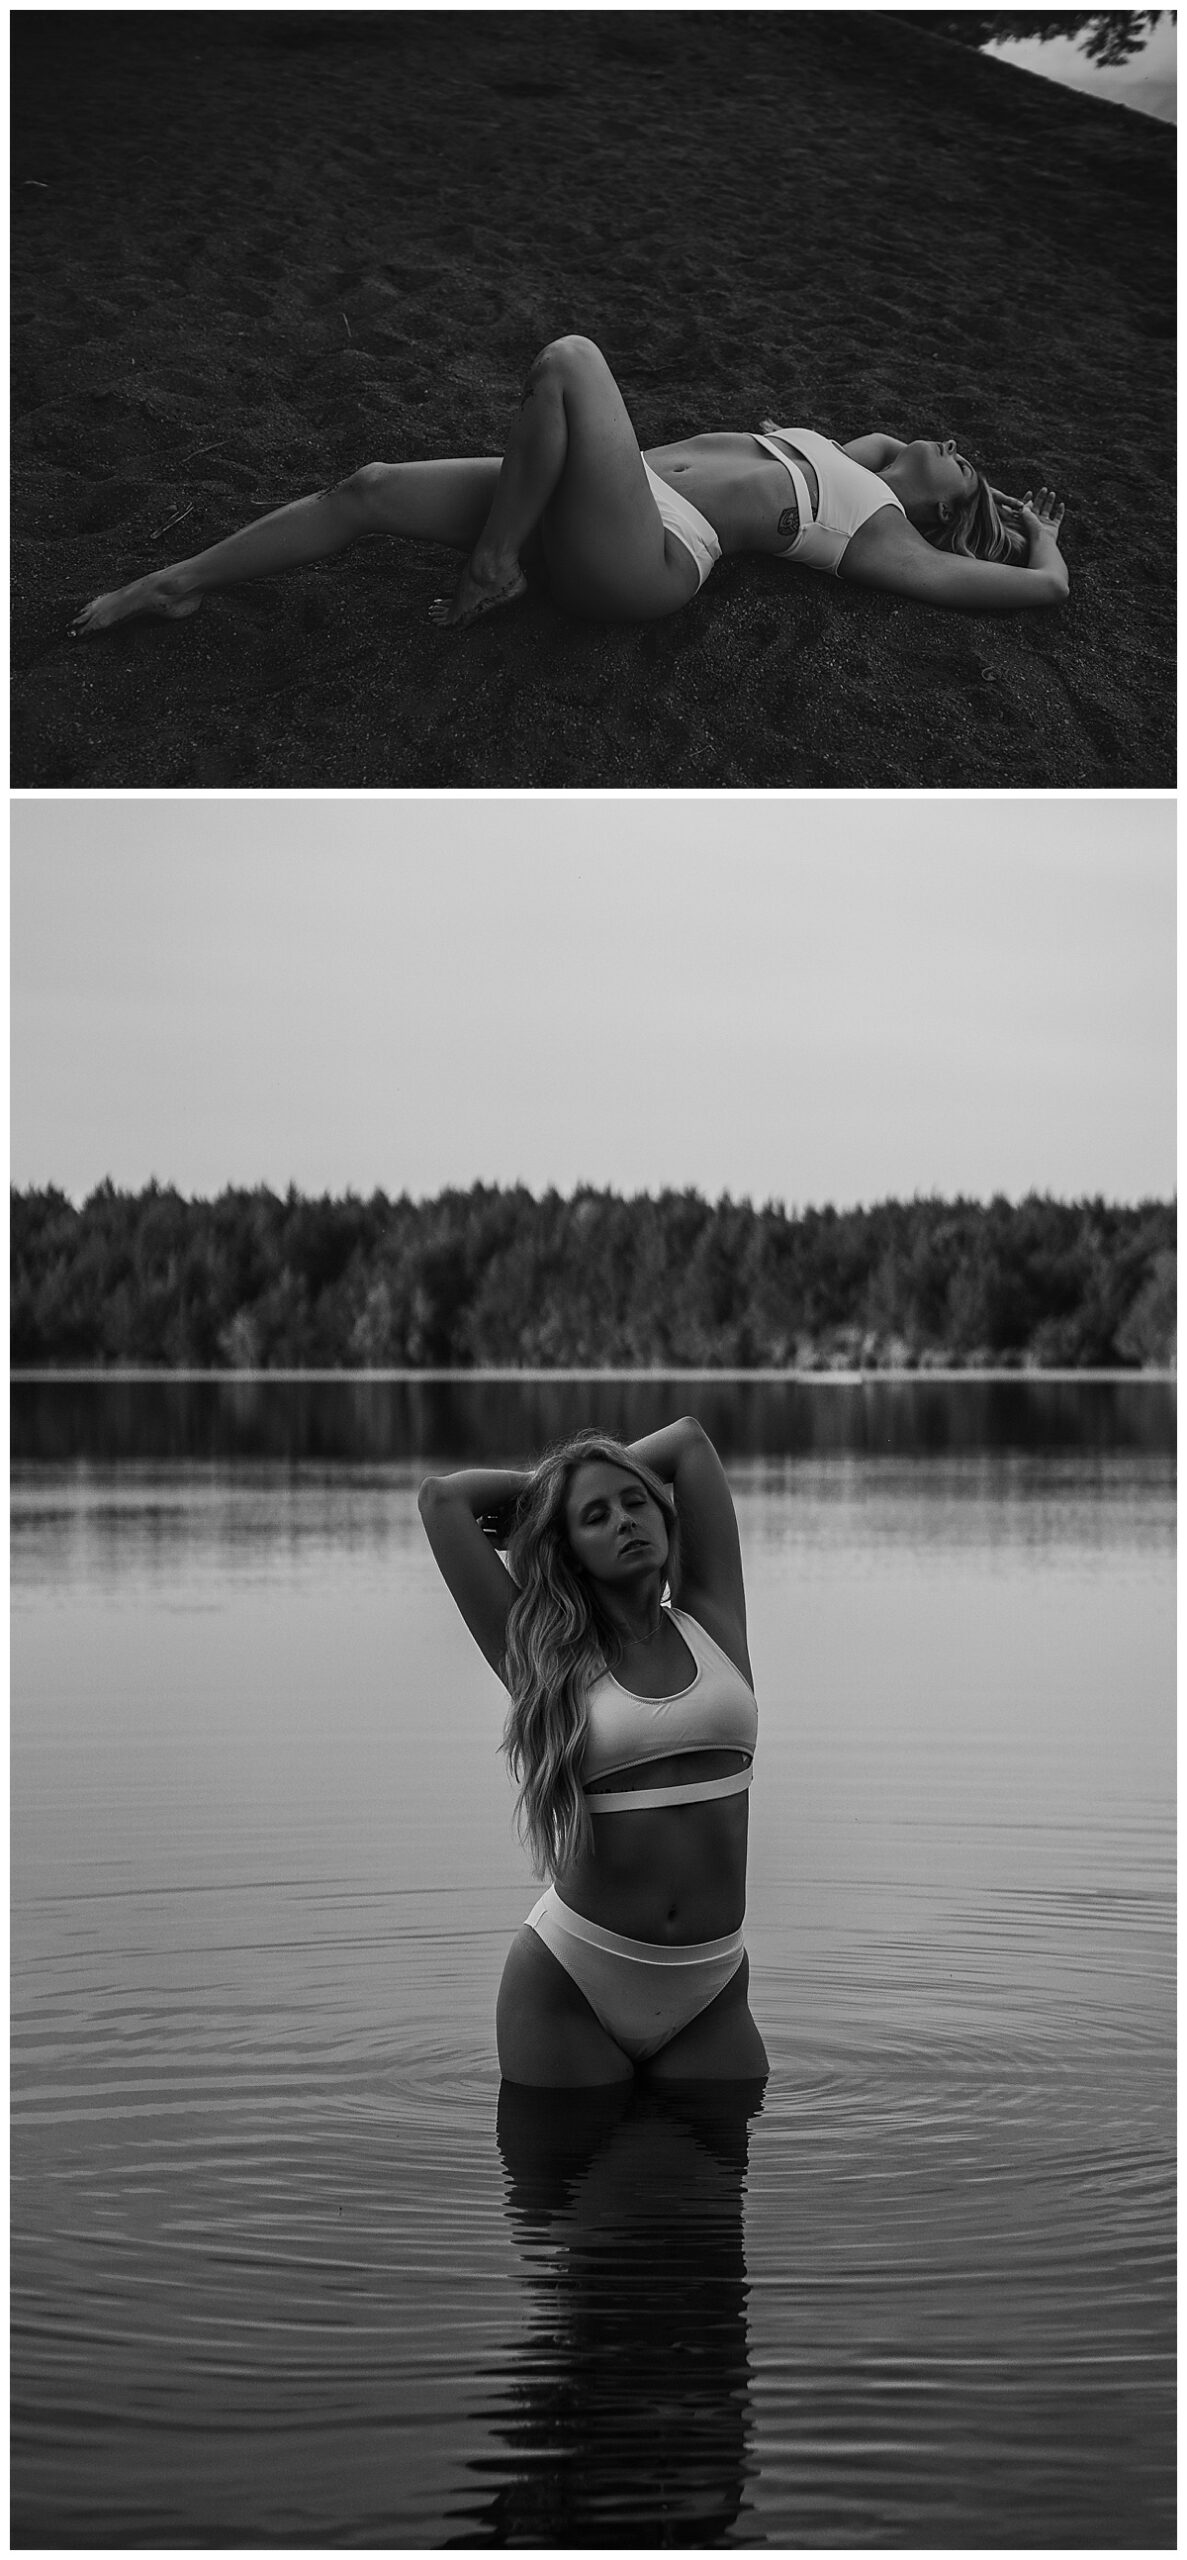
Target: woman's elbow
692,1432
1049,585
429,1495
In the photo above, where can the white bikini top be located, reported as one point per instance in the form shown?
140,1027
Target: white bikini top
716,1712
849,495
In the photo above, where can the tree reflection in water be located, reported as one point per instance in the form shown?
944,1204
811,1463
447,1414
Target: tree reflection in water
626,2410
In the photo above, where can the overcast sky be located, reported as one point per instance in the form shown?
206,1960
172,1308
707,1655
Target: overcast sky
808,1001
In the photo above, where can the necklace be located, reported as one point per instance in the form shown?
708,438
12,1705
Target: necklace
652,1632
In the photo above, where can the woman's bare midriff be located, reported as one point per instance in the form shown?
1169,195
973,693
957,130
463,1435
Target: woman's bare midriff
674,1874
741,488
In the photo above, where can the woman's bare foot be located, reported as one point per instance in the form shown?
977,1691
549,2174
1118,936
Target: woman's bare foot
482,587
156,594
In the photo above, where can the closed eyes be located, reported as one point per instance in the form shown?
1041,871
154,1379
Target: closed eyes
597,1511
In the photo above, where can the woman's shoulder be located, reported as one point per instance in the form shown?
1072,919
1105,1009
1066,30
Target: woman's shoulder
873,451
719,1628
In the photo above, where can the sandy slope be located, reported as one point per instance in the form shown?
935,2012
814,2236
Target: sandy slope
252,253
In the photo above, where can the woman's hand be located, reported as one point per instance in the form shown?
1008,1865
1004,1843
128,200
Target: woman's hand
1037,515
498,1523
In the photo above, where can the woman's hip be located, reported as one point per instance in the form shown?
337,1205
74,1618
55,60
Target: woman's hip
642,1993
618,546
608,575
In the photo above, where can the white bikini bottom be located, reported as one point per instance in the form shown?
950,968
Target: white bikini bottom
641,1994
687,523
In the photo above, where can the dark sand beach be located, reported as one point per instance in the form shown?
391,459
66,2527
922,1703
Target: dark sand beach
253,252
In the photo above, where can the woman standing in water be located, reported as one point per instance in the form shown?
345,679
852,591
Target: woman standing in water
631,1731
625,536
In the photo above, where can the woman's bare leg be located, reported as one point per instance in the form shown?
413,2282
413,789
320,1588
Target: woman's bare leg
429,501
548,2035
722,2043
532,465
573,468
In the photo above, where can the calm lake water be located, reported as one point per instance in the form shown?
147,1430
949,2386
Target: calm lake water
289,2269
1145,83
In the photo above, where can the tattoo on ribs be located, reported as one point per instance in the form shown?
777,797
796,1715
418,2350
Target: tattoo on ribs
789,521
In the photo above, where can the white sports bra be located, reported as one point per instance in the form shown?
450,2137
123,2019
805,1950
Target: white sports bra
716,1712
848,496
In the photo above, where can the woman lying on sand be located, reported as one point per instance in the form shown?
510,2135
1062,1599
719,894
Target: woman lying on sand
631,1729
628,537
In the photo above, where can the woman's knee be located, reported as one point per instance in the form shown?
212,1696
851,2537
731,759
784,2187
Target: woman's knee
568,358
362,491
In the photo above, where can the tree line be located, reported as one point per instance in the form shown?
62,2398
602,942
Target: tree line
493,1278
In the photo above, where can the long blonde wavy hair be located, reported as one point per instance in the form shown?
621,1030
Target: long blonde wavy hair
977,529
559,1639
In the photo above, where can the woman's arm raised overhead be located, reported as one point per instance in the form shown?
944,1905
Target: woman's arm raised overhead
463,1515
888,552
711,1585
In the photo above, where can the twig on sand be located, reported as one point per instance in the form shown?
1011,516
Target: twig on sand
349,331
204,448
171,520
